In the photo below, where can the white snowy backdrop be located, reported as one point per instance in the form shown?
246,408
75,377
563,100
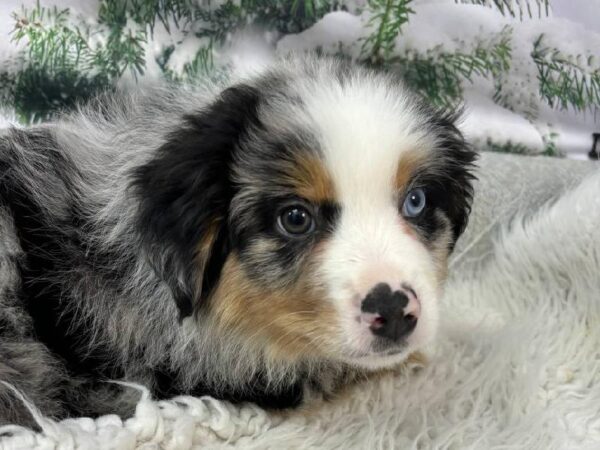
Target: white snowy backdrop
516,118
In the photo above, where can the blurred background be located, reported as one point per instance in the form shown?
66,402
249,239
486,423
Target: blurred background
528,72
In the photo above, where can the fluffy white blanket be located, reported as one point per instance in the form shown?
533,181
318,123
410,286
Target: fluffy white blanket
517,363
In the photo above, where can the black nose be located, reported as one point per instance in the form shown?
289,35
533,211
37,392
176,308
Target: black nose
386,312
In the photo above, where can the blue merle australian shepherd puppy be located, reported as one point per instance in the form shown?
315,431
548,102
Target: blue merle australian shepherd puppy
269,241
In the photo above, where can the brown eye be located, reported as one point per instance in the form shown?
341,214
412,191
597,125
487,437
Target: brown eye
295,220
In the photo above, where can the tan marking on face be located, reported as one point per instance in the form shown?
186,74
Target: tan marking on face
291,323
440,251
310,179
204,249
407,168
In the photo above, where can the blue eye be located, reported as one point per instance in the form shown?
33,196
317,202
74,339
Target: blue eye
414,203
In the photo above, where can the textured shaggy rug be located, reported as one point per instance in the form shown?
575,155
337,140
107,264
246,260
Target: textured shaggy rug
517,363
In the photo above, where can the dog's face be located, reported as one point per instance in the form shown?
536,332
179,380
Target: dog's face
326,232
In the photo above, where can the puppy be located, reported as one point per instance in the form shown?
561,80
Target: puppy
263,241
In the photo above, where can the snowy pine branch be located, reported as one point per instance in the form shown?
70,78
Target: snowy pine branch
66,59
439,75
116,13
515,7
566,81
387,18
59,63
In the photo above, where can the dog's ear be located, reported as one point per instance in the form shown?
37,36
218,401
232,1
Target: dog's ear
452,173
458,173
184,193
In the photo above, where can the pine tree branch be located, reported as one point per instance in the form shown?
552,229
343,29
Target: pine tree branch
566,81
439,75
387,18
507,7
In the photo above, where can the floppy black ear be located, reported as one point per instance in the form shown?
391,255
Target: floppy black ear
184,194
459,174
454,174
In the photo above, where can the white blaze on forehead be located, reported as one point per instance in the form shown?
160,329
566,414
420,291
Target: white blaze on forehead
364,127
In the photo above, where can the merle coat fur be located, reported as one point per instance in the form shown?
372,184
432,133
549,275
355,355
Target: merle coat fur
102,214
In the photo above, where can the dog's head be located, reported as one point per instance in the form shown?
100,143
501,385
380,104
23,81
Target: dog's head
310,212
